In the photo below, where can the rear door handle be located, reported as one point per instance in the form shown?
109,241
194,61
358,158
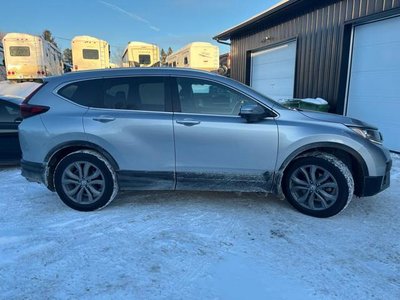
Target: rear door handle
187,122
104,119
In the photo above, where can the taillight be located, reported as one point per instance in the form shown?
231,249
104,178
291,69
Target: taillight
28,110
38,72
76,67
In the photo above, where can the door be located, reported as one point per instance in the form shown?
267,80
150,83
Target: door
131,118
273,71
10,151
215,148
374,89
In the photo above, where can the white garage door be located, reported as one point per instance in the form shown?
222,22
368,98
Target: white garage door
374,86
272,71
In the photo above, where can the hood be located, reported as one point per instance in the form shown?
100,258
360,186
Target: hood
327,117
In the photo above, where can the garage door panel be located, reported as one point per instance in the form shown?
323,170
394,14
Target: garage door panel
376,32
387,55
278,53
379,84
274,90
374,85
272,71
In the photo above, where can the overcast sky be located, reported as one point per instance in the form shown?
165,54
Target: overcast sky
172,23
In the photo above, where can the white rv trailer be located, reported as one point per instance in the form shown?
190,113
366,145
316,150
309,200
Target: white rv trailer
30,57
139,54
197,55
89,53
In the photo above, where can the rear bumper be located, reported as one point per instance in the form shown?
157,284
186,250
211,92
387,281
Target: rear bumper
374,184
32,171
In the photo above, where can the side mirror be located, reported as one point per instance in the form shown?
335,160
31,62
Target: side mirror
253,112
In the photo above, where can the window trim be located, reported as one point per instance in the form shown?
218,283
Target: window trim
167,85
177,104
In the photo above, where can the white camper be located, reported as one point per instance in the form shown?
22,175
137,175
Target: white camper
139,54
30,57
197,55
89,53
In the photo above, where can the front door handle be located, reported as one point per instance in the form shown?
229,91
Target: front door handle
104,119
188,122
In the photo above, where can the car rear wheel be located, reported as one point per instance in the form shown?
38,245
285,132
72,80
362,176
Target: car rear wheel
85,181
320,185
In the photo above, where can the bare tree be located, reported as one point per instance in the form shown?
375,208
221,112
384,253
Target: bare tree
116,55
67,56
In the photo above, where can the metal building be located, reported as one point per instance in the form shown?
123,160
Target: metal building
344,51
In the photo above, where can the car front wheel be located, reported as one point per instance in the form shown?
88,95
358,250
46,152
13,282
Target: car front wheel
319,185
85,181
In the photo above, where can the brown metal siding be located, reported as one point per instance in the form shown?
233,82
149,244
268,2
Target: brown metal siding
319,31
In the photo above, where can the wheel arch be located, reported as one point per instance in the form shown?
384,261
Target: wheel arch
61,150
348,155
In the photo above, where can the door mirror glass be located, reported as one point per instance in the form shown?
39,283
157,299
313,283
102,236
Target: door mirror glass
253,112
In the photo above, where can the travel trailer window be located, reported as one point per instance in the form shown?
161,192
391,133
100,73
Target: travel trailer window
144,59
90,54
20,51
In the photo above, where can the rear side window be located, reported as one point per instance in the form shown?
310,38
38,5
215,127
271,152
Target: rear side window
85,93
129,93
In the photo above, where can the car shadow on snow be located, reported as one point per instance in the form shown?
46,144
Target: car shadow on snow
144,198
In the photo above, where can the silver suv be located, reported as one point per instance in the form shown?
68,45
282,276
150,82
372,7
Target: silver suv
87,135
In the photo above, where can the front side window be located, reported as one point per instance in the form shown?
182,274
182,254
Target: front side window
144,59
20,51
90,54
205,97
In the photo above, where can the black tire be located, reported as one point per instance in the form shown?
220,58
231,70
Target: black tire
306,190
99,186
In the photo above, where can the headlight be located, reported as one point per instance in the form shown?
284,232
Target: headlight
371,134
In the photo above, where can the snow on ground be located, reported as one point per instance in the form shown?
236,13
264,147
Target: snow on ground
191,245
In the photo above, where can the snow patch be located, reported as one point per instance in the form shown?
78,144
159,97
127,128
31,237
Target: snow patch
20,89
317,101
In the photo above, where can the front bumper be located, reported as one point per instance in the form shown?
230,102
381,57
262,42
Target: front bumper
372,185
32,171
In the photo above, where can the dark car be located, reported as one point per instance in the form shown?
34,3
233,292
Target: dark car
10,117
